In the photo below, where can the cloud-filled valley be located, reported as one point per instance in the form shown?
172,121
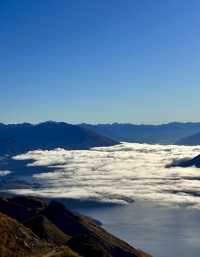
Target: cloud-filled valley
117,174
4,173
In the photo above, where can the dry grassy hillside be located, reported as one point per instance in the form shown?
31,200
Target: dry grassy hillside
36,228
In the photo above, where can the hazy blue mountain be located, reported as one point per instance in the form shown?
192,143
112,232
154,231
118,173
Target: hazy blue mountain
15,138
154,134
190,140
186,162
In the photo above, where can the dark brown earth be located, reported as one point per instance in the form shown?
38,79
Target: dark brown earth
32,227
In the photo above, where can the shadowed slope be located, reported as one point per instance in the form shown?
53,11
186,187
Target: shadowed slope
76,226
186,163
190,140
153,134
17,240
56,226
15,139
46,230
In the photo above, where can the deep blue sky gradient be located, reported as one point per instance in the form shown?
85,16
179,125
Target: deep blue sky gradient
99,60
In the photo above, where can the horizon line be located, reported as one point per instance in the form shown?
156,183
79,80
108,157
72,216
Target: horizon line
101,123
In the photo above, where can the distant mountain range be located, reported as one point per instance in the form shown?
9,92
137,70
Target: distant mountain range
170,133
18,138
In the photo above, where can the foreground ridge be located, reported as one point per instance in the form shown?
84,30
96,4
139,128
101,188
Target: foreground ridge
33,227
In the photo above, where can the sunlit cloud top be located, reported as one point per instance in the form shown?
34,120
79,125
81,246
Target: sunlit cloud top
118,174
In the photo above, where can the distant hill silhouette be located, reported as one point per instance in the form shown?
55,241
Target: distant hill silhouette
17,138
154,134
184,163
190,140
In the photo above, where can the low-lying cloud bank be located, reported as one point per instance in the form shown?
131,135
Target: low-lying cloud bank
4,173
117,174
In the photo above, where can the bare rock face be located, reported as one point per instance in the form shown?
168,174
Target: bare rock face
50,230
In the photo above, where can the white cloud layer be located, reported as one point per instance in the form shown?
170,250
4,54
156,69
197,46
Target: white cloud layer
118,174
4,173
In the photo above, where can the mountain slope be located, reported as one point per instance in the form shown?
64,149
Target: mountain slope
184,163
190,140
53,222
46,230
153,134
18,241
74,226
48,135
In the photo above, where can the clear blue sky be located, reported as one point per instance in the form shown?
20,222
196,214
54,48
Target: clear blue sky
99,60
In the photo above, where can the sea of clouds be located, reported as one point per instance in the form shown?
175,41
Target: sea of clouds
4,173
117,174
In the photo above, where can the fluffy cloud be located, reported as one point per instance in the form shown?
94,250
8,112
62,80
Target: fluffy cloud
4,173
117,174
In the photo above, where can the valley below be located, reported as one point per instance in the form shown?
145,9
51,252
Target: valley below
160,230
129,188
